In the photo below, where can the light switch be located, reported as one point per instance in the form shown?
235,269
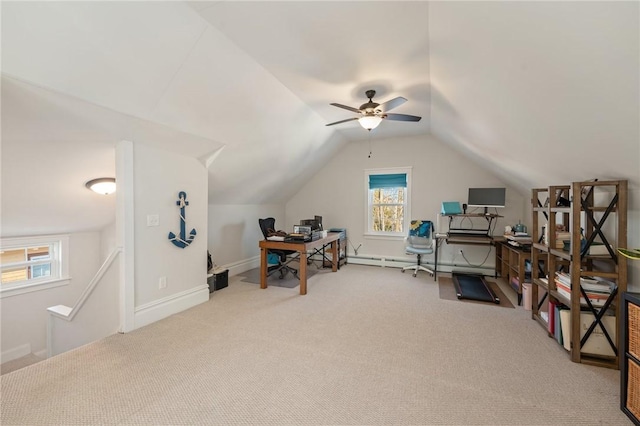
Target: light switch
153,220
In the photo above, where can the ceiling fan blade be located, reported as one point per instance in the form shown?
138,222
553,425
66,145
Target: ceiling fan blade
402,117
346,107
343,121
391,104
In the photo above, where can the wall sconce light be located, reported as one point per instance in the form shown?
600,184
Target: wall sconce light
103,186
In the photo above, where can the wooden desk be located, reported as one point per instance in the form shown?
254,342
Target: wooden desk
304,249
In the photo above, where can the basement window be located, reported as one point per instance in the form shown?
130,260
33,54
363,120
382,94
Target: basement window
33,263
388,205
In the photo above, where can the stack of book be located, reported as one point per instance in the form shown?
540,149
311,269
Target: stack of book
561,237
596,289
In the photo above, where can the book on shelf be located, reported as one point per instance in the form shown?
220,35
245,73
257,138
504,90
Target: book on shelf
558,326
590,293
596,299
565,327
552,317
589,284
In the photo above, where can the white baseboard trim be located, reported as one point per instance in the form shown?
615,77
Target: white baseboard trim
163,308
41,354
241,266
15,353
395,262
374,260
383,262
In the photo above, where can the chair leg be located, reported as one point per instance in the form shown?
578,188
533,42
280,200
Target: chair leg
418,267
283,268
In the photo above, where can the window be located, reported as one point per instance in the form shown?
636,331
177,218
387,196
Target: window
388,207
32,263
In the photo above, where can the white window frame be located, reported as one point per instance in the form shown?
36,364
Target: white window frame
368,231
59,264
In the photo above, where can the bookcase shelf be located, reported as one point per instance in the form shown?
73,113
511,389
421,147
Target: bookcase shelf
597,212
511,265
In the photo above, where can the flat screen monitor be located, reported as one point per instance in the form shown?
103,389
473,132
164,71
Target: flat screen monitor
486,197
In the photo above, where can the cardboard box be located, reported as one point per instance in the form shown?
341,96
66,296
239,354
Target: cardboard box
599,249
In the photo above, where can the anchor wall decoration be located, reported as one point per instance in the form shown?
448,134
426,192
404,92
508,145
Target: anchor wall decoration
182,241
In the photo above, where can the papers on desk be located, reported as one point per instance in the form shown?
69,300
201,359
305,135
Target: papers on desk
275,238
520,241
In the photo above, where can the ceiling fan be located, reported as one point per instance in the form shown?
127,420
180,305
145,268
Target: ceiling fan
372,113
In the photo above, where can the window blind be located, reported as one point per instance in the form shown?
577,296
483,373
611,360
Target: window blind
396,180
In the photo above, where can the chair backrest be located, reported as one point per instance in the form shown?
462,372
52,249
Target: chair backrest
420,234
267,224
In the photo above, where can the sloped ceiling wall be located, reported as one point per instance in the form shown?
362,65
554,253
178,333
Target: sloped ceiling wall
163,64
545,93
539,92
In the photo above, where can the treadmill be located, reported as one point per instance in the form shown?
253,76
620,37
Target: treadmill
473,287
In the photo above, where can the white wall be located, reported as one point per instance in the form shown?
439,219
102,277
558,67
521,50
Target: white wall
107,240
158,178
24,316
234,234
439,173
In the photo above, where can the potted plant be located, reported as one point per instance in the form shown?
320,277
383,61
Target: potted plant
633,254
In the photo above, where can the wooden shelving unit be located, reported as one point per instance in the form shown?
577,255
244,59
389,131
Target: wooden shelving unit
597,213
511,265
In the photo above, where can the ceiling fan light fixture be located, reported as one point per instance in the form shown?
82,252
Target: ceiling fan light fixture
370,114
369,122
103,186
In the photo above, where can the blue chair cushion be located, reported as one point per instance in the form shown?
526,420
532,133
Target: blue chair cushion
420,228
419,239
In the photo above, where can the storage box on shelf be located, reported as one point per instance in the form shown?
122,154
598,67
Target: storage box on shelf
630,357
591,212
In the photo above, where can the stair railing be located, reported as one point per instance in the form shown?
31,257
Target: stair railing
68,313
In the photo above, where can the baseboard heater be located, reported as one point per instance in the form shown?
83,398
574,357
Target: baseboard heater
390,262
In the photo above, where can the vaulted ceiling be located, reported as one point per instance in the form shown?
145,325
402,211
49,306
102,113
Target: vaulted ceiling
540,92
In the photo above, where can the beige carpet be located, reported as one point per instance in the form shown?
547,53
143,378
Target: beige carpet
16,364
289,280
365,346
447,291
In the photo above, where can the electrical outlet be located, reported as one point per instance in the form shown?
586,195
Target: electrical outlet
153,220
162,283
